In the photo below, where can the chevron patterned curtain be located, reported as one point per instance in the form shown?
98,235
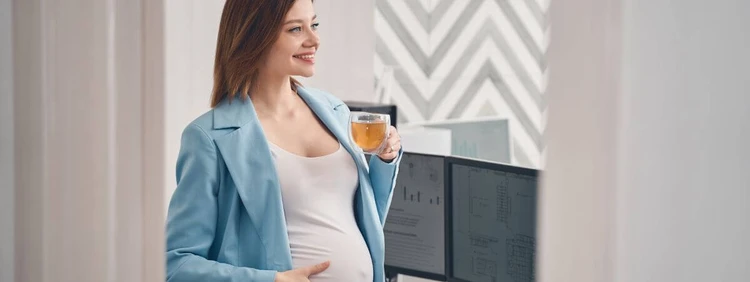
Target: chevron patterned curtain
465,59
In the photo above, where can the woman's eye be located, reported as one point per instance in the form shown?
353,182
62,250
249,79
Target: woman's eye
296,29
315,26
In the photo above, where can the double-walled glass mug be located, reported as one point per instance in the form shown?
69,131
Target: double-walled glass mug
369,131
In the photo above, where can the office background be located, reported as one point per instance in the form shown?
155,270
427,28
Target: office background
466,59
646,141
438,60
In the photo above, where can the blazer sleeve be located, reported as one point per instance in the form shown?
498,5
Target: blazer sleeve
191,219
383,178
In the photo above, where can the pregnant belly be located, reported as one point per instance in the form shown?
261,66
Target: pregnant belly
348,253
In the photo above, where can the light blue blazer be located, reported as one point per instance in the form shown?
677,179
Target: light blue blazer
226,220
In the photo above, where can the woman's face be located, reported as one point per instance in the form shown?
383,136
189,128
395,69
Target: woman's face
294,52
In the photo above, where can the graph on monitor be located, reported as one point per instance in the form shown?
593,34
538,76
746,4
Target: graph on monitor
415,226
493,222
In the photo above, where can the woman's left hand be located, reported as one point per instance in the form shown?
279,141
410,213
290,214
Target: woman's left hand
392,146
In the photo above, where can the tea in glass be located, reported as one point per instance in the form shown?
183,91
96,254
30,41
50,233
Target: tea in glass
369,131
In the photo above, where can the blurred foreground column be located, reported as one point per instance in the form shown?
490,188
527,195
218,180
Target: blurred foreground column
88,131
649,125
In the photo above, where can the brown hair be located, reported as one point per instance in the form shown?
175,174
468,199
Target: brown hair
247,31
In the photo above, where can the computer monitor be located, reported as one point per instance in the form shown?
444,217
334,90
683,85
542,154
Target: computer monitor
415,228
492,221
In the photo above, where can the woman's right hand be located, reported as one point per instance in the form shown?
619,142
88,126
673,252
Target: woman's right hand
301,274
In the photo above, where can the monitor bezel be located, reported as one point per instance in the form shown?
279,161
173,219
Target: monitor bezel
390,269
450,161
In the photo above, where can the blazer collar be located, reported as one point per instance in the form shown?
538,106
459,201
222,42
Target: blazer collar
233,113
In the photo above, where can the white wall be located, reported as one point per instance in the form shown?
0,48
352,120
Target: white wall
7,194
686,129
647,166
344,63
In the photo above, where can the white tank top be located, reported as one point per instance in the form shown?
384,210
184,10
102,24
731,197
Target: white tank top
318,196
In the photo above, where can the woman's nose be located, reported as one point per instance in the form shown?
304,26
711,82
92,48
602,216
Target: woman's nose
315,41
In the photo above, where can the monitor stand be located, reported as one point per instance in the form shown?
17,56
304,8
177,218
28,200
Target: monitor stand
391,277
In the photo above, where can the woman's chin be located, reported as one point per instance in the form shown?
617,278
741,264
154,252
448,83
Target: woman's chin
309,73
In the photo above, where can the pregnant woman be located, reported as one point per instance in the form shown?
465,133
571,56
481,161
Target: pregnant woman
269,189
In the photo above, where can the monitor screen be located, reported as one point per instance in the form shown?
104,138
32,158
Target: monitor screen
493,220
415,228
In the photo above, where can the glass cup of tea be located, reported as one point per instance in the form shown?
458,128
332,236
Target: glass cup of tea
369,131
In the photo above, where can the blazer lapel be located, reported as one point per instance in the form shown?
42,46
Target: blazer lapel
250,164
334,121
